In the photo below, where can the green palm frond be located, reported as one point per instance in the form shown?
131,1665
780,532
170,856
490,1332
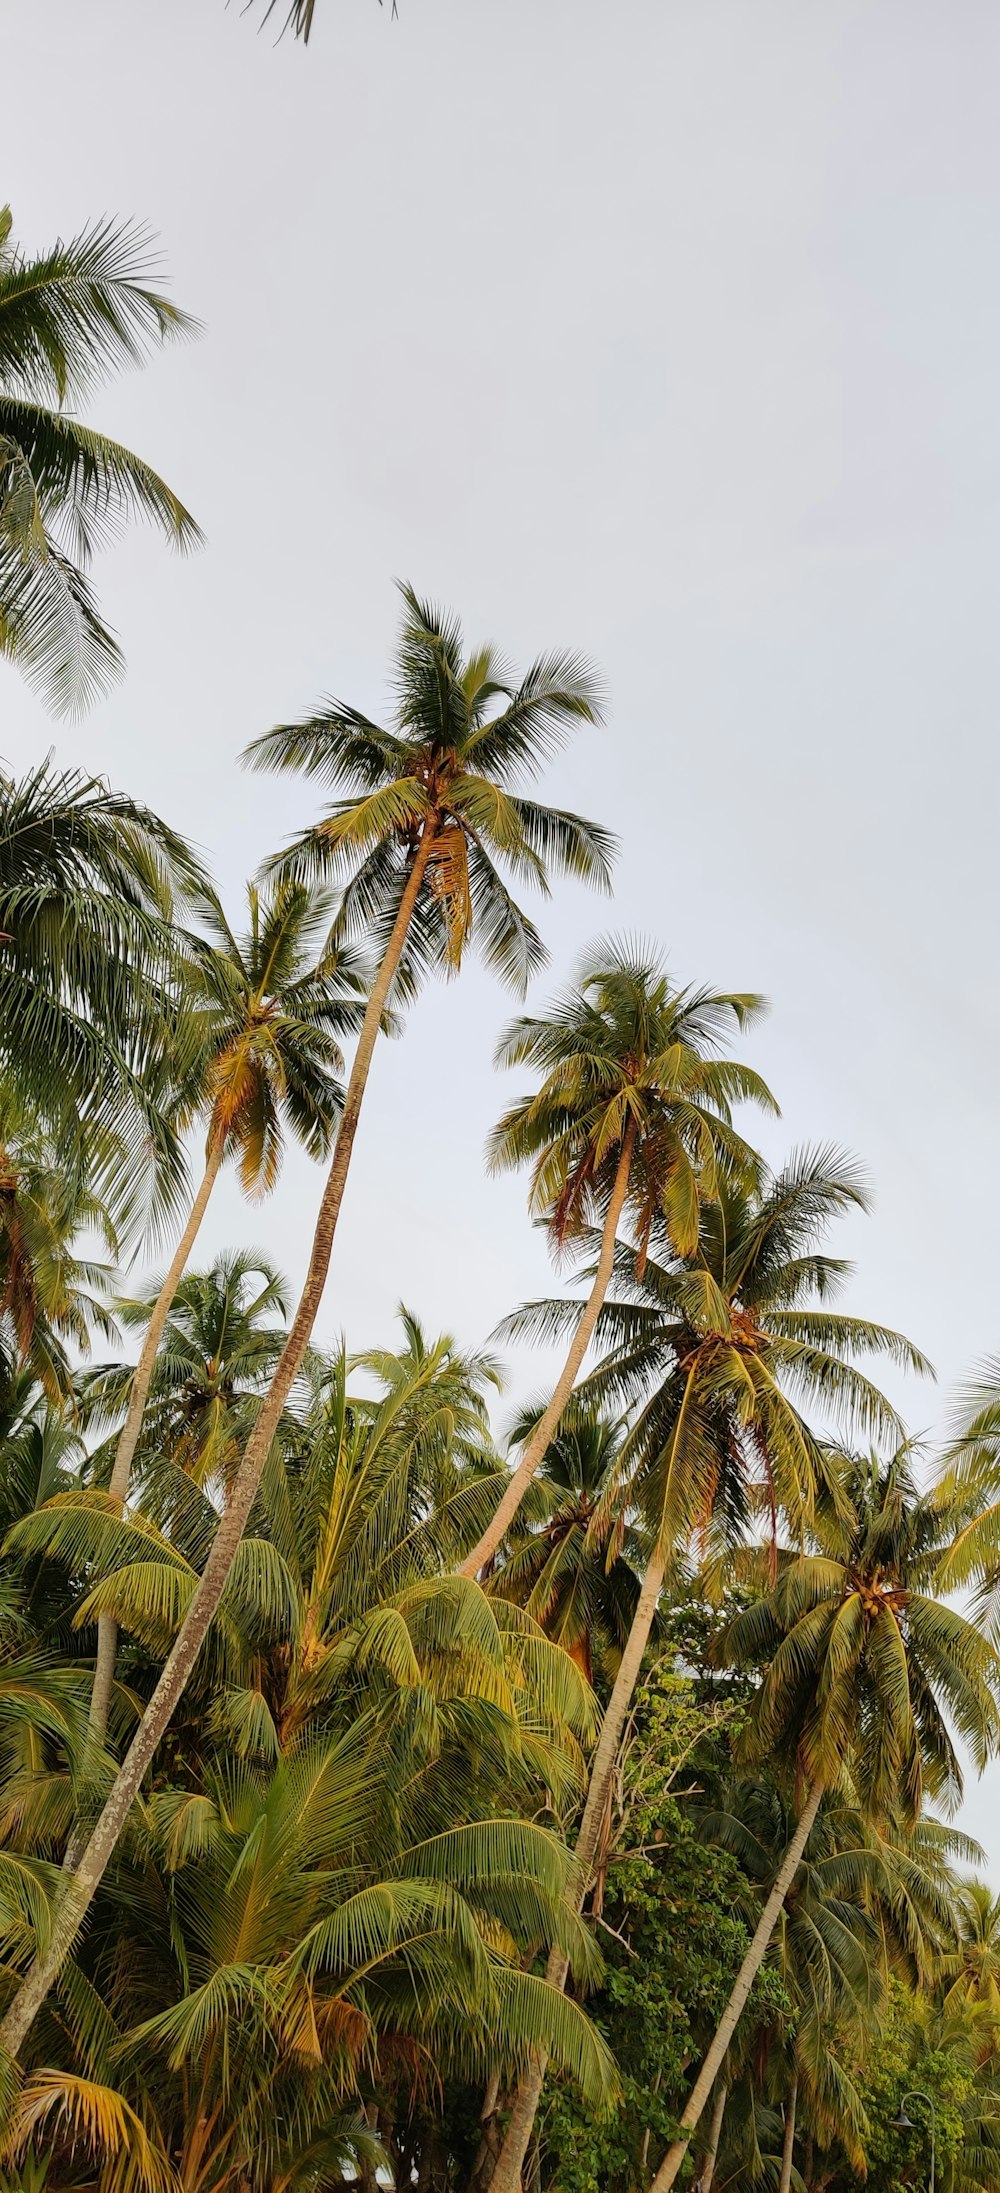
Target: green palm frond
89,1022
68,317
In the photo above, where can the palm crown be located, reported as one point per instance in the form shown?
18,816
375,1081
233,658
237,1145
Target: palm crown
67,316
269,1006
867,1672
971,1963
89,881
551,1565
442,788
716,1351
50,1293
626,1057
969,1486
221,1340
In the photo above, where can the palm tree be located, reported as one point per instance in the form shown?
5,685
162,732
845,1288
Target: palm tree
584,1595
339,1602
866,1913
290,1928
363,1501
970,1481
89,881
268,1007
632,1123
431,803
713,1352
50,1295
138,1571
864,1673
972,1965
221,1341
453,1722
68,316
344,1562
832,1948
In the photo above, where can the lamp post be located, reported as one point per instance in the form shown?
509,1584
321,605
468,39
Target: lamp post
903,2123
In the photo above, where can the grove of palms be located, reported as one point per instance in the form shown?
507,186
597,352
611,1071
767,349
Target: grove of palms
396,1784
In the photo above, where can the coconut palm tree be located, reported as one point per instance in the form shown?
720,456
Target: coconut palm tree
714,1352
363,1501
267,1010
89,883
970,1480
290,1928
866,1912
219,1346
432,807
68,317
582,1594
837,1940
265,1015
381,1489
50,1295
865,1672
223,1336
339,1592
972,1965
445,1716
632,1124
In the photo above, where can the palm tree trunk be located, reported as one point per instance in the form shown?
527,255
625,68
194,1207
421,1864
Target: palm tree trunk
83,1882
486,2153
744,1981
707,2171
548,1424
788,2144
107,1627
510,2162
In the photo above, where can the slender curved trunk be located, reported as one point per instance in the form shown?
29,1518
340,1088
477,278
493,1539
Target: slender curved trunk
707,2171
128,1439
788,2143
83,1882
744,1981
510,2162
548,1424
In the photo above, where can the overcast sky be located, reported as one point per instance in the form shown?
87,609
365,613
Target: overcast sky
665,329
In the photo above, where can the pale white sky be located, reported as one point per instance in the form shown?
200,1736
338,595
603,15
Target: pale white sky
669,330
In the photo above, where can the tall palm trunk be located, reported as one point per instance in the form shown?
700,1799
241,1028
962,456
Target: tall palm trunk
707,2171
548,1424
507,2175
788,2143
107,1627
744,1981
83,1882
